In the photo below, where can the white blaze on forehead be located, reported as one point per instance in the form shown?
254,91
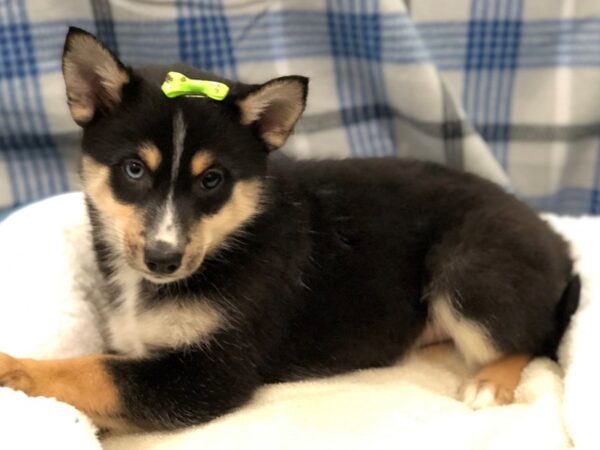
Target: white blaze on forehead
178,139
167,230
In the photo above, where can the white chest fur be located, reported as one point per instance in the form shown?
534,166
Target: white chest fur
134,330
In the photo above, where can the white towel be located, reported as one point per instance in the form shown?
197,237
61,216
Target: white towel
48,281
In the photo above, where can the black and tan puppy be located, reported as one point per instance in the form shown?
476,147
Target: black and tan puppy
226,270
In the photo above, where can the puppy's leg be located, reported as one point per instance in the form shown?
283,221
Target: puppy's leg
495,383
165,391
82,382
496,289
500,372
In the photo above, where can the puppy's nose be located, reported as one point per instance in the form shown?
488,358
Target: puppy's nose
162,260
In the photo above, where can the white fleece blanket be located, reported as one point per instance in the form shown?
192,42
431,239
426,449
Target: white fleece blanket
48,278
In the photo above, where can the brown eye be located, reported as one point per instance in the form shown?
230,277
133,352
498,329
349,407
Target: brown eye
134,169
211,179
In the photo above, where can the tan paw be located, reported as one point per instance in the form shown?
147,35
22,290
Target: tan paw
478,393
14,374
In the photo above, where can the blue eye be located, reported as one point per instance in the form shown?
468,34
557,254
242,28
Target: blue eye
134,169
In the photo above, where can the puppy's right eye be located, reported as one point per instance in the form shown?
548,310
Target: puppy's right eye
134,169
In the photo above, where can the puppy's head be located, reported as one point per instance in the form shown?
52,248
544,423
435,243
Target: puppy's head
170,180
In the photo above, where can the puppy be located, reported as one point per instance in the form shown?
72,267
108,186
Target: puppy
226,269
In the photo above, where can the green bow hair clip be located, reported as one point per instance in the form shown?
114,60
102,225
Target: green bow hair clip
177,84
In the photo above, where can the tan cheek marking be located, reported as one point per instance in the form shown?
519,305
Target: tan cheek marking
210,232
243,204
200,162
82,382
151,156
125,224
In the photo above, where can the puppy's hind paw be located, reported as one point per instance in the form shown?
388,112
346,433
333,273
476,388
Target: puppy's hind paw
495,383
477,394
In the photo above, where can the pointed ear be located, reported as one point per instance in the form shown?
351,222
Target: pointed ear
94,78
274,108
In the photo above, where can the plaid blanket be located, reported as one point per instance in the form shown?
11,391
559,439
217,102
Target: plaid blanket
509,89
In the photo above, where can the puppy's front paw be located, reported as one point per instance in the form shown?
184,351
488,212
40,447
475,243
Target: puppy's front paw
480,393
14,374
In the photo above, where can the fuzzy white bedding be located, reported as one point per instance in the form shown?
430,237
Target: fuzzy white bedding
48,279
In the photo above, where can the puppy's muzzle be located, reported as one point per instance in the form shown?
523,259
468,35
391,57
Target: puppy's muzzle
162,259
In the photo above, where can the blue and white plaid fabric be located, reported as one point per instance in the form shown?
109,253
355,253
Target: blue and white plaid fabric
506,88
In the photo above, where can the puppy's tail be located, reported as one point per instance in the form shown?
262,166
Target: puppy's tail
565,309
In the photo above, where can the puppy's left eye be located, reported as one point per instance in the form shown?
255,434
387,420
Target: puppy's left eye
134,169
211,179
